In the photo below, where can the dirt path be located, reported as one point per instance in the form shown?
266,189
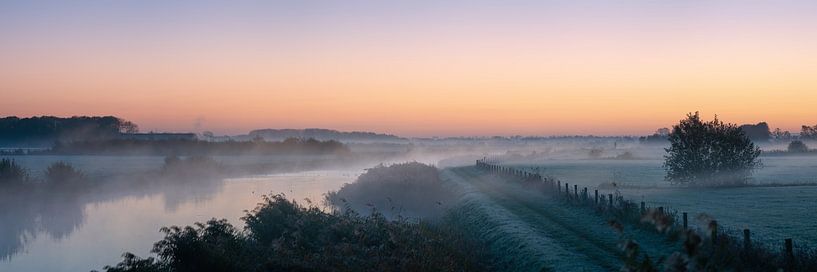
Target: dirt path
550,235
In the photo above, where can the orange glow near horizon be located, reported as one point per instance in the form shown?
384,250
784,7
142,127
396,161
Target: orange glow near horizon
424,76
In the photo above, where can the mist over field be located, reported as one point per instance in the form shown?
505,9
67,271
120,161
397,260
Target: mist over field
593,135
417,183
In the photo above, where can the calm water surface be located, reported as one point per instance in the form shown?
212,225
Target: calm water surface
89,228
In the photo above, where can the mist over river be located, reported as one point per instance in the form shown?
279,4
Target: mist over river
87,228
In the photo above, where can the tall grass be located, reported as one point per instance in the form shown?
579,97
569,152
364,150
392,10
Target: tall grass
61,173
11,172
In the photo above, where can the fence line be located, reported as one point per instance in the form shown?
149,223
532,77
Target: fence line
617,205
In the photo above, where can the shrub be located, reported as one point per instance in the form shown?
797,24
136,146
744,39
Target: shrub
595,153
10,171
214,246
408,189
281,235
61,172
625,156
797,147
709,153
132,263
194,166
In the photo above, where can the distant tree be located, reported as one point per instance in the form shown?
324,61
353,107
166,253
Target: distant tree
757,132
660,136
709,153
127,127
798,147
45,130
662,132
779,134
808,132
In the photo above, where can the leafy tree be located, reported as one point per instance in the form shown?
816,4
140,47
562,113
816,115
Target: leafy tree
797,147
127,126
709,153
45,130
808,132
660,136
779,134
758,132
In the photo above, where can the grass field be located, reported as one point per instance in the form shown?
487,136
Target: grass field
773,212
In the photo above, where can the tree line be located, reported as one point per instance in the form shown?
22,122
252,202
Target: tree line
198,147
759,132
45,130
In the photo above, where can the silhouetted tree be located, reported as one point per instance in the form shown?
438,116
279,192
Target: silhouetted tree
46,130
660,136
808,132
198,147
758,132
797,147
779,134
127,127
709,153
662,132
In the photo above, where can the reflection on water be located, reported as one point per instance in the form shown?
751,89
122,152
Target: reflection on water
56,229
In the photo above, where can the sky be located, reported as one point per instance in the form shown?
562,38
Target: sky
412,68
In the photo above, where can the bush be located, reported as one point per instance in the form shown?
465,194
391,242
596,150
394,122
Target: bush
408,189
132,263
10,172
194,166
797,147
61,172
281,235
709,153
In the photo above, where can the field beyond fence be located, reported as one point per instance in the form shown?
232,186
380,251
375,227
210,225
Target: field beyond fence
737,245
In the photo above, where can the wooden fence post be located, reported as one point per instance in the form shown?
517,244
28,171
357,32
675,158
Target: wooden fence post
611,200
567,190
643,207
576,190
685,221
597,197
747,241
789,250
